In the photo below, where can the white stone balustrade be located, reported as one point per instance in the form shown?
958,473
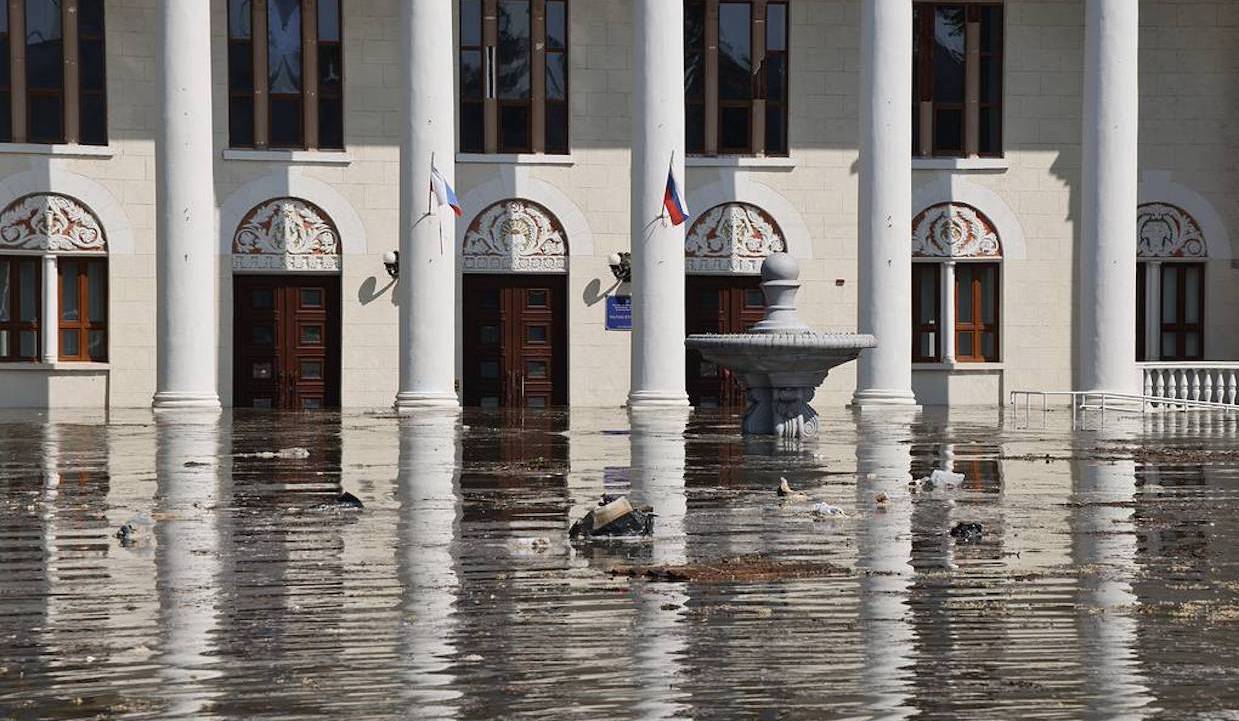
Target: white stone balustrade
1211,382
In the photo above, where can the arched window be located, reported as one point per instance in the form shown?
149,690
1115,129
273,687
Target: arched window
53,84
956,276
957,79
53,265
285,74
514,76
735,77
1170,284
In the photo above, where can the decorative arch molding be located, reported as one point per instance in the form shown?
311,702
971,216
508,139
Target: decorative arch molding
738,188
288,234
1168,231
50,223
101,206
1156,187
515,181
350,231
731,238
954,190
515,236
954,230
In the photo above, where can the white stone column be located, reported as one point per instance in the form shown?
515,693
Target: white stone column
947,331
427,285
51,310
186,255
657,245
884,374
1107,339
1153,311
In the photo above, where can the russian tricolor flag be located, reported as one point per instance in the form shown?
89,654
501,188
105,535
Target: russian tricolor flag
443,191
677,209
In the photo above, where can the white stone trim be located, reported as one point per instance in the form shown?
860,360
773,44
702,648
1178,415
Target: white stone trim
954,189
292,184
515,159
60,150
962,165
102,204
298,157
1157,187
736,188
515,181
741,161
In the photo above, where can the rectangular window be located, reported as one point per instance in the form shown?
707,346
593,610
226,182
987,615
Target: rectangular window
736,77
20,308
92,82
1182,312
45,64
957,79
513,59
83,309
286,74
976,313
926,321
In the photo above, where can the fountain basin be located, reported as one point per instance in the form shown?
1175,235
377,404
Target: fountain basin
780,362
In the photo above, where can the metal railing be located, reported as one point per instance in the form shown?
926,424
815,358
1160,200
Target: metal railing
1104,400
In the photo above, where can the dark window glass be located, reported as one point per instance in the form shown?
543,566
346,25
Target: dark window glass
949,131
283,47
330,69
471,74
991,82
90,17
6,117
734,134
514,51
557,128
556,25
991,131
93,125
472,129
776,133
44,47
329,20
240,20
471,22
776,27
949,54
514,129
285,126
91,64
926,281
556,76
991,29
241,122
695,128
735,63
776,75
46,115
694,50
330,123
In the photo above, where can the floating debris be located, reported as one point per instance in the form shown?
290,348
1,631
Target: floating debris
755,568
296,453
787,494
135,531
940,480
825,510
614,517
967,532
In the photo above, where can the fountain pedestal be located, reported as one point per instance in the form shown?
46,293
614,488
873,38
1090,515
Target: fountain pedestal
781,362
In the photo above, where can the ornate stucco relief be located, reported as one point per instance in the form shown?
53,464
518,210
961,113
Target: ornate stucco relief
52,223
732,238
286,234
515,236
1167,231
954,230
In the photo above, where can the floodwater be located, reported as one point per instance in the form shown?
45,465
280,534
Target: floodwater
1105,583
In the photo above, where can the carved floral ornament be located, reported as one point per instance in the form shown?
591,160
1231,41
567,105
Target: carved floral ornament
954,230
515,236
50,223
286,234
1167,231
732,238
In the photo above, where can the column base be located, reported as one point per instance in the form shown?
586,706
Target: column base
409,402
185,400
876,397
642,400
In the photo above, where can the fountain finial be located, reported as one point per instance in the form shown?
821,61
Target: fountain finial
780,281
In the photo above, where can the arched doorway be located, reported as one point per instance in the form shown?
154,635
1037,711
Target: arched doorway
286,308
515,308
724,250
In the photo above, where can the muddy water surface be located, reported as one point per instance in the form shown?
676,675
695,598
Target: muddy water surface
1104,584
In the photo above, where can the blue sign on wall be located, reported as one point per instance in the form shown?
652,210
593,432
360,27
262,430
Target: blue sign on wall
619,312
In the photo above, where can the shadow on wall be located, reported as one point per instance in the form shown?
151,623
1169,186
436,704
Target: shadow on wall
369,291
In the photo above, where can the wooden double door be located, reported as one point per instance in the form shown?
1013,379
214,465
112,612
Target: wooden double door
286,342
718,304
515,341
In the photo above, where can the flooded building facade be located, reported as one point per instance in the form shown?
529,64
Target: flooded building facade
197,198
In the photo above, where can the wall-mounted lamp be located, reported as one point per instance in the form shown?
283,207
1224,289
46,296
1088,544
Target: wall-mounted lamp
621,266
391,261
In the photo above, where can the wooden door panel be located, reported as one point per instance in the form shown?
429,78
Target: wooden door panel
718,304
515,341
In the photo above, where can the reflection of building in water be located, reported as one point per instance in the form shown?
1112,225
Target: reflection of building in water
188,560
429,526
884,555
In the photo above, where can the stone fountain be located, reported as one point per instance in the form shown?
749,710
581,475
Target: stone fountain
780,361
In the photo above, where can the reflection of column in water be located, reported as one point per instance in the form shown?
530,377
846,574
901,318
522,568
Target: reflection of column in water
1104,552
429,492
187,557
658,459
883,457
